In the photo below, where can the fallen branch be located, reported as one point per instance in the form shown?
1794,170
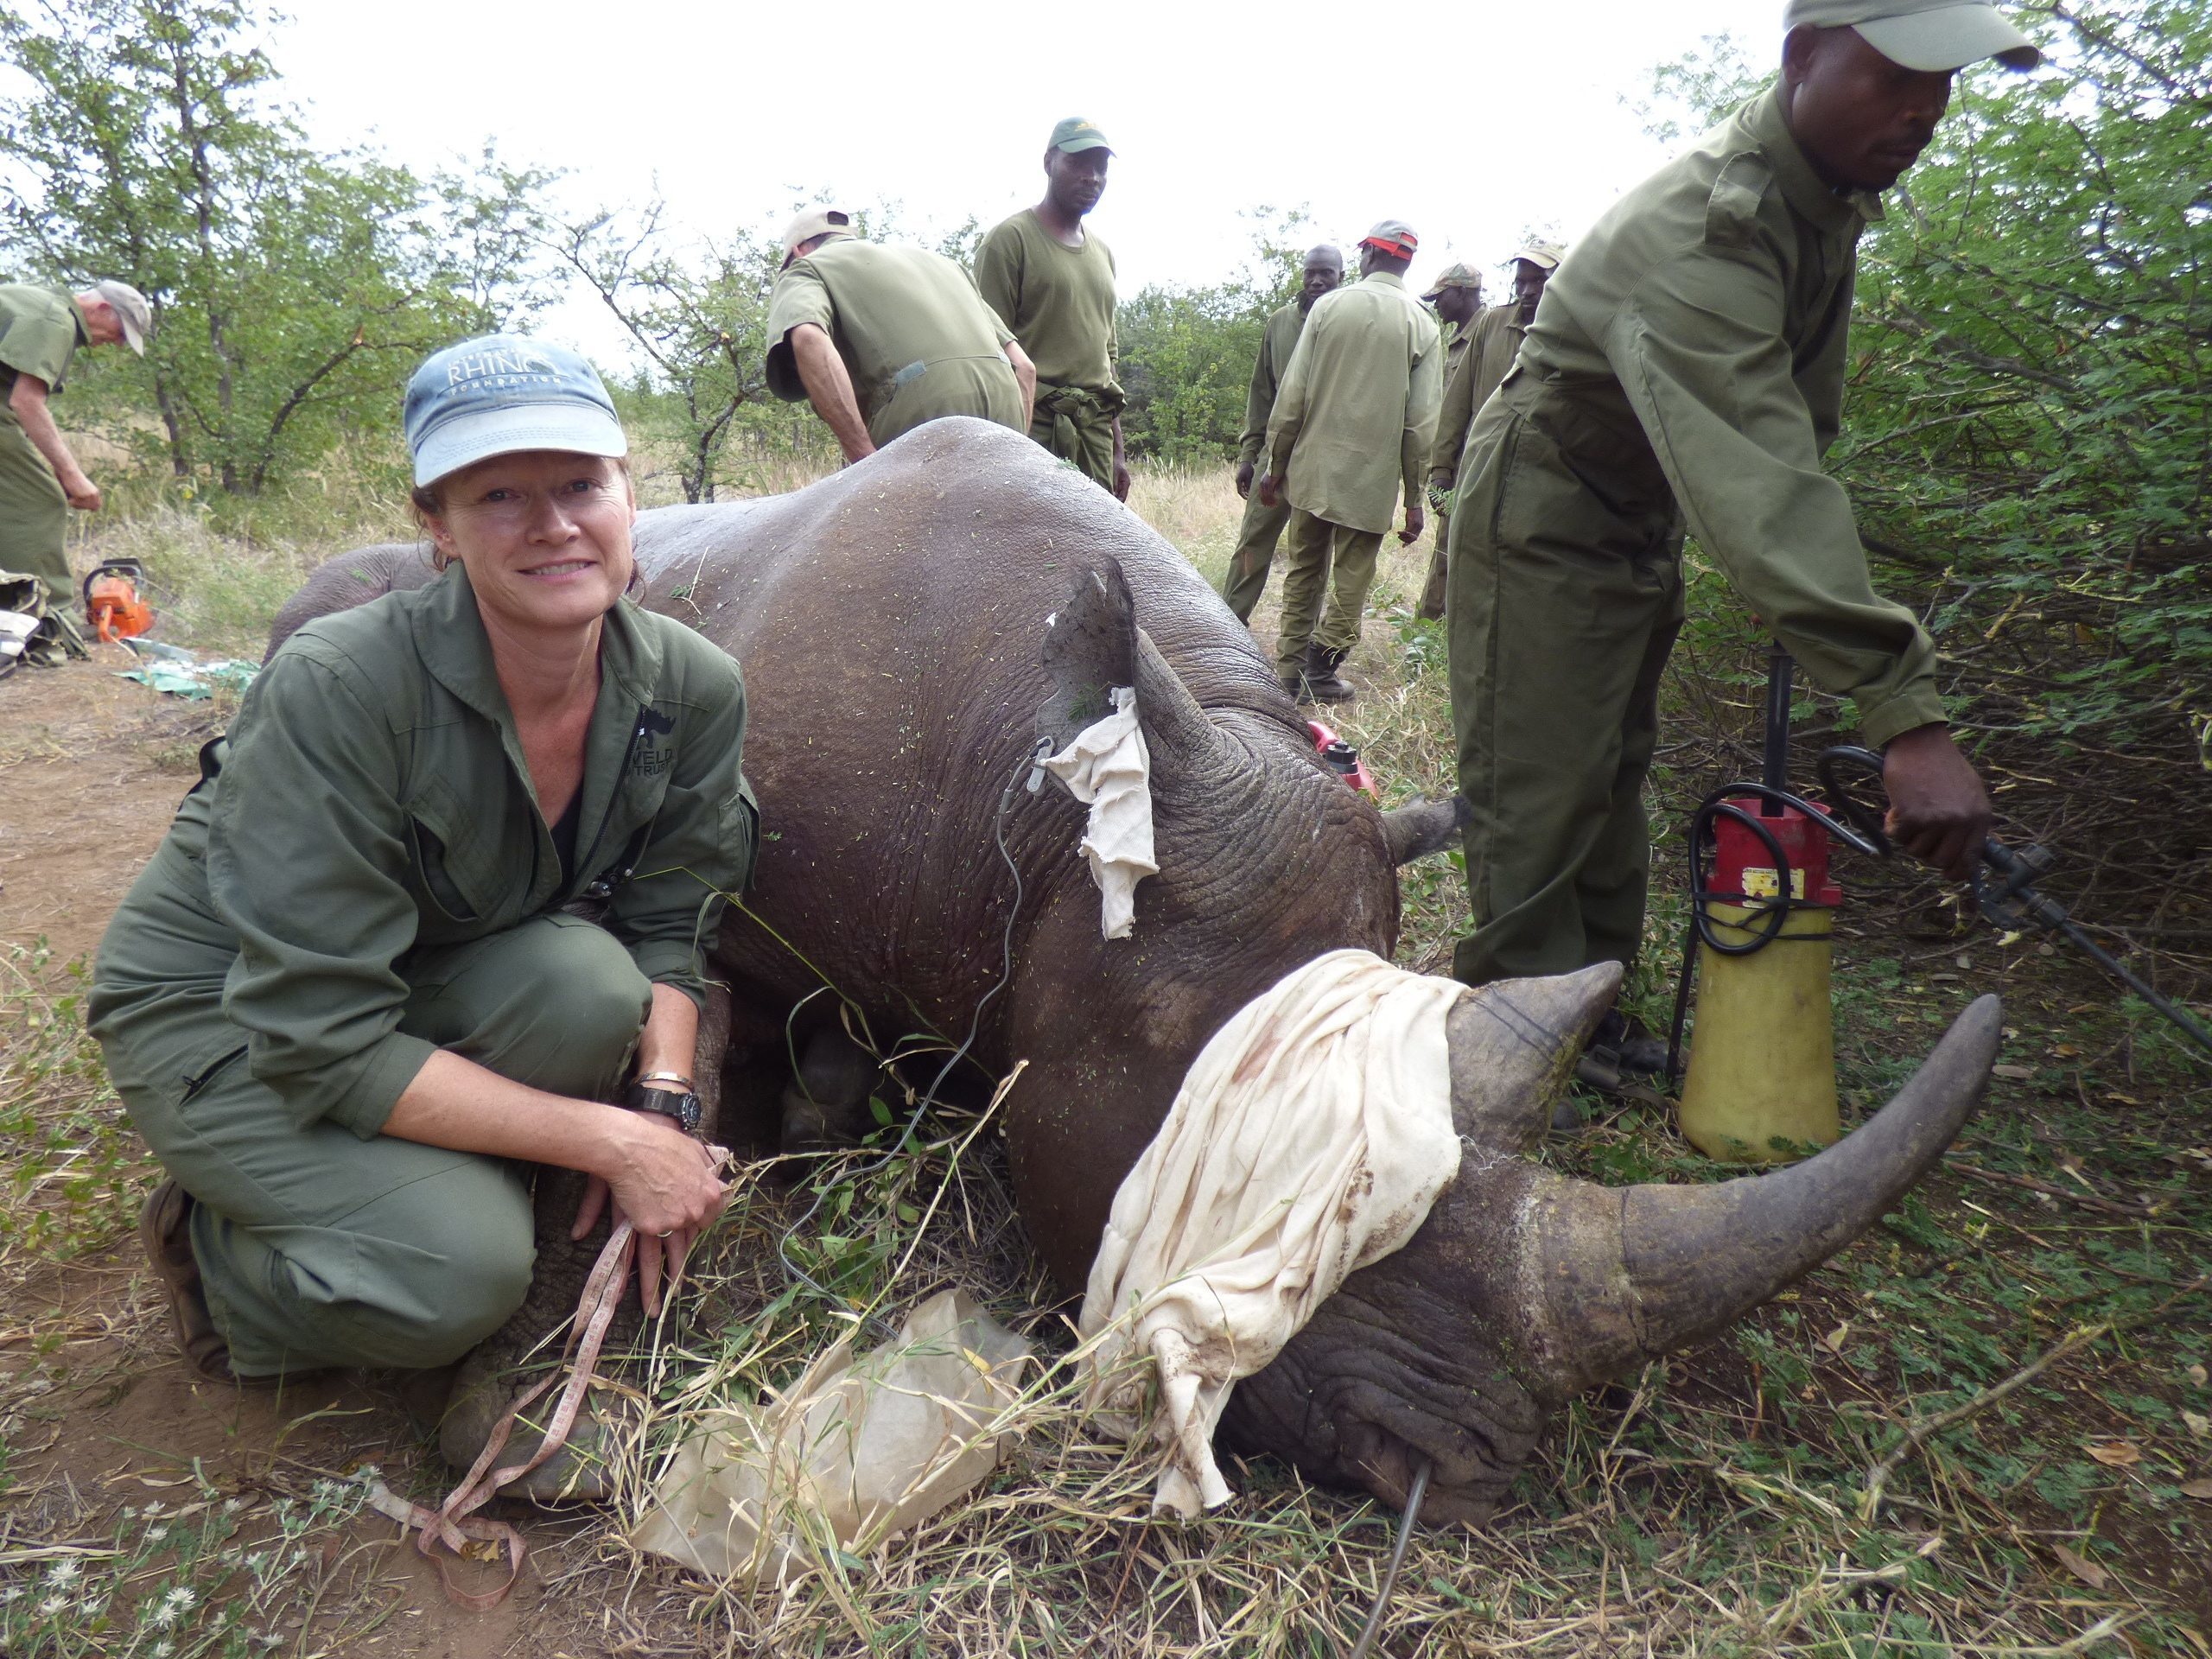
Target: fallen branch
1917,1434
2132,1212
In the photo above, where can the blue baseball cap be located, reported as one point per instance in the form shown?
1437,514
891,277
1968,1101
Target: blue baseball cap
502,393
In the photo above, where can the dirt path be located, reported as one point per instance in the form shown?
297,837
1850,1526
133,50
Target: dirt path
92,767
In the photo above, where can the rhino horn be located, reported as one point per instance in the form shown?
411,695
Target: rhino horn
1623,1274
1421,827
1513,1044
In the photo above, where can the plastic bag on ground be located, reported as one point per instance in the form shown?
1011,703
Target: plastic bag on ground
856,1452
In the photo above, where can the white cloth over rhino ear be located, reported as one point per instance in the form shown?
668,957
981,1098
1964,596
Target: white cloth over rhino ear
1109,769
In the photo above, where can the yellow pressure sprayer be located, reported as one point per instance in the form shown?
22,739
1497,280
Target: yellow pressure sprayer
1761,1088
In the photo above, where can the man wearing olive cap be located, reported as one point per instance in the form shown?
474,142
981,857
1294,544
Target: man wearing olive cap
1352,424
1685,368
881,340
1246,579
41,329
1456,295
1050,280
1469,380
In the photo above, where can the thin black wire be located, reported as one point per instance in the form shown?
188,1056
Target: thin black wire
792,1271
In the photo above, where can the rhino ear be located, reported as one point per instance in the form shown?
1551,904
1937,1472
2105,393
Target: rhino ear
1090,647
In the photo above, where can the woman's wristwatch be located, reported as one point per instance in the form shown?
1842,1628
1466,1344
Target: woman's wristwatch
678,1104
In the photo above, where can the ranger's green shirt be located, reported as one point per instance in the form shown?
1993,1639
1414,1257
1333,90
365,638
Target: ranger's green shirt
1700,329
1356,412
41,329
1059,300
1277,341
1493,338
372,796
894,314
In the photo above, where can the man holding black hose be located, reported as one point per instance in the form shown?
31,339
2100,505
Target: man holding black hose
1685,369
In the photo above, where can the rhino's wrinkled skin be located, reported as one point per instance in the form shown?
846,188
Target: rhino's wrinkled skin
893,624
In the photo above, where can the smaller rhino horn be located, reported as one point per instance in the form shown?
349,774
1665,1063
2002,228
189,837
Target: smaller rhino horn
1421,827
1514,1043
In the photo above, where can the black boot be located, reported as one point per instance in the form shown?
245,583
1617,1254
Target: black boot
1322,680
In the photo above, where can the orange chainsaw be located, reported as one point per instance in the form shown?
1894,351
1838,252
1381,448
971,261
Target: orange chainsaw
112,603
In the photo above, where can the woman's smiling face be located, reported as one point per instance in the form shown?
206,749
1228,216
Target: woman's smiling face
545,534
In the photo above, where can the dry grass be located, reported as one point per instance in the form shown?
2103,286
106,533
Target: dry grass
1710,1506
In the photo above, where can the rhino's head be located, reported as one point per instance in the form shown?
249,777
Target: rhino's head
1524,1287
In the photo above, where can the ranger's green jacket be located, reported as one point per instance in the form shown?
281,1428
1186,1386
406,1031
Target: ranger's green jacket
372,796
1694,341
1356,412
1277,342
41,329
916,337
1492,340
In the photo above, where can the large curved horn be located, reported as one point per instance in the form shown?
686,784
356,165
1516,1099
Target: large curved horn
1623,1275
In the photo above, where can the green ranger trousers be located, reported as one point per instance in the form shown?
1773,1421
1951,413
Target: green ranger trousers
1432,595
1246,578
1075,425
318,1248
1313,550
1563,609
33,528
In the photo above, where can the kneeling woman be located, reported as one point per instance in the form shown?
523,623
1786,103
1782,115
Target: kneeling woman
344,1003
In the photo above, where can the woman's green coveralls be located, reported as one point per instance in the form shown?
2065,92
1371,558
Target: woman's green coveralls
363,876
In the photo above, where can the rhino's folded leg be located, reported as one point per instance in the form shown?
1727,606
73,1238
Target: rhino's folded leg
487,1380
825,1103
507,1361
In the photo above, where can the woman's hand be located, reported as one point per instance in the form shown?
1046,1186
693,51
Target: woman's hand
665,1184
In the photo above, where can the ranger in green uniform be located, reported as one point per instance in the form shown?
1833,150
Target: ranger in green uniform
1050,280
1480,358
41,329
1456,297
1354,419
882,339
1686,364
1246,579
344,1002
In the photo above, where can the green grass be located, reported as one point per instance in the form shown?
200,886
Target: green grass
1711,1505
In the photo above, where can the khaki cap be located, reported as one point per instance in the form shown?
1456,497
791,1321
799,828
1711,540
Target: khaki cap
132,310
816,221
1544,256
1924,34
1458,273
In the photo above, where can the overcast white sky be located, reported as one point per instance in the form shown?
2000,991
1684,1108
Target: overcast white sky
1474,124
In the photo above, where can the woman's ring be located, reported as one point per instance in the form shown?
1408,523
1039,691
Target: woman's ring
664,1234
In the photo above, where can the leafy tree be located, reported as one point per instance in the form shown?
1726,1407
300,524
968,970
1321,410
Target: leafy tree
1187,353
292,291
2026,437
698,314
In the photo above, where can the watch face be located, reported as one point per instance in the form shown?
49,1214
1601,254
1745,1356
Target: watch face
681,1109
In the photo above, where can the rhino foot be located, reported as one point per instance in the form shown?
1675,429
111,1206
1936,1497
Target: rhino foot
825,1104
493,1373
581,1471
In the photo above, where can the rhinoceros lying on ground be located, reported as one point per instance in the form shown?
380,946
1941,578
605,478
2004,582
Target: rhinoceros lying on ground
892,626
